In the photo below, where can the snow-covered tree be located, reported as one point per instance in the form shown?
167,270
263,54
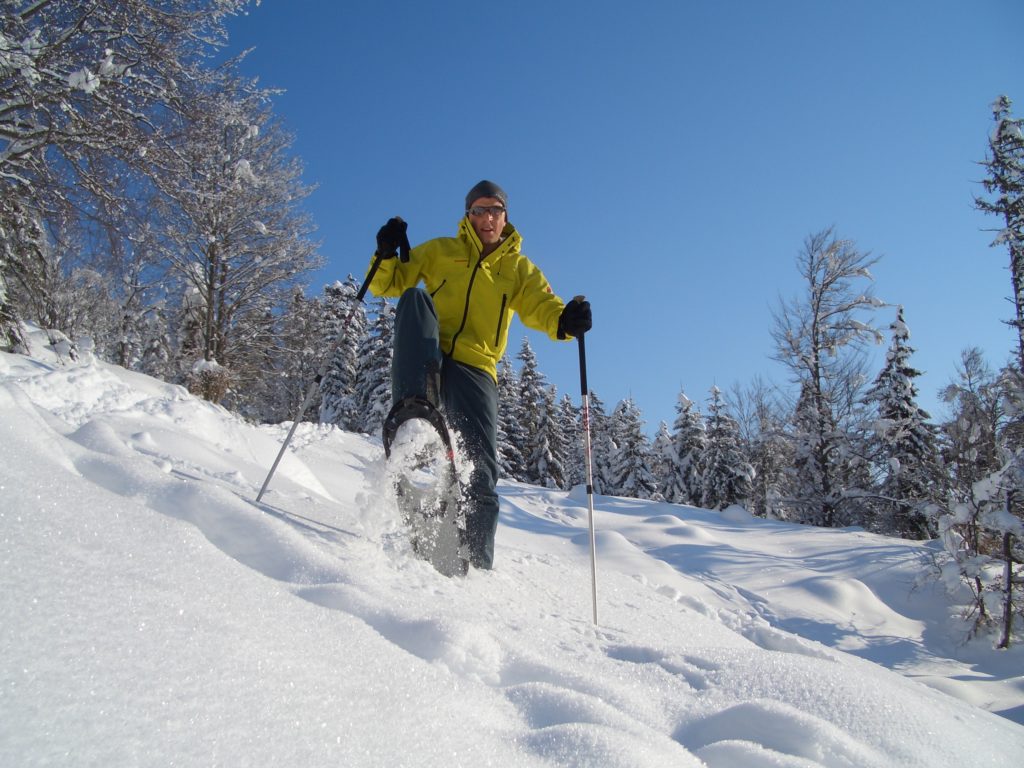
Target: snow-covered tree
532,413
344,326
905,444
980,524
631,473
689,439
981,539
970,450
82,77
234,231
372,390
602,444
89,90
511,433
1005,186
22,249
544,444
293,364
663,460
728,476
548,458
767,445
575,461
818,337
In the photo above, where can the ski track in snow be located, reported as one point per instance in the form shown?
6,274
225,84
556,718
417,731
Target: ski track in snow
721,637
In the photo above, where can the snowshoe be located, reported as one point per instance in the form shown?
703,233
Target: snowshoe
421,467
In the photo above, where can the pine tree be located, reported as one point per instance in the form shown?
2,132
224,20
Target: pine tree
770,452
575,461
689,439
372,387
548,458
1005,166
631,474
511,434
728,476
906,443
344,326
602,445
532,412
663,460
1005,182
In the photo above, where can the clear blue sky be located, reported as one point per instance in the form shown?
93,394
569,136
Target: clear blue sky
667,159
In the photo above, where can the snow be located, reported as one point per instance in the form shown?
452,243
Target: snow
84,80
244,172
153,614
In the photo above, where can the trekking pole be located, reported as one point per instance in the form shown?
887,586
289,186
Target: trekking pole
585,391
315,384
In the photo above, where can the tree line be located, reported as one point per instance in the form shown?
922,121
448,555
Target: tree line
152,203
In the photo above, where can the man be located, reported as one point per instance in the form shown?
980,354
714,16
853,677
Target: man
450,335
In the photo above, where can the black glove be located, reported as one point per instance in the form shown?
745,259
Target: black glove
576,318
392,239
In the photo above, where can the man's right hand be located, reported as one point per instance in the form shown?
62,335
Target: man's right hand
392,239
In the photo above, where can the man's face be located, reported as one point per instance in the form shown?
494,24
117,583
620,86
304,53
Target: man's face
488,217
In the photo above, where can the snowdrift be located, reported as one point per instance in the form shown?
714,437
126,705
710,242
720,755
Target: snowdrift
153,614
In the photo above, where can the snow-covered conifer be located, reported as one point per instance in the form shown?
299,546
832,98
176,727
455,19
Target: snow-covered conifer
372,387
905,441
344,331
548,457
511,434
602,444
663,460
689,439
532,412
728,476
575,461
1005,185
631,464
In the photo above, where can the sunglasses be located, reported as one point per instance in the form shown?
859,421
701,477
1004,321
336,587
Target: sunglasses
483,210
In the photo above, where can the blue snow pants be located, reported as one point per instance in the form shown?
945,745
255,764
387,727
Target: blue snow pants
467,396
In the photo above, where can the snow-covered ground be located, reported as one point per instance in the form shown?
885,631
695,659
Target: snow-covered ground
152,614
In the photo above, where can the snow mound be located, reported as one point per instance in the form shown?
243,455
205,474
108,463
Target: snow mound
154,613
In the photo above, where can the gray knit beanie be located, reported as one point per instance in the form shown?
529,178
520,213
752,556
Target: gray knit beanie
486,189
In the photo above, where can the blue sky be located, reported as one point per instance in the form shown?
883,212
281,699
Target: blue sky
667,160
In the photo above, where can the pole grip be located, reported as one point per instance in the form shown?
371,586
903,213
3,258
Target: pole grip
584,390
583,355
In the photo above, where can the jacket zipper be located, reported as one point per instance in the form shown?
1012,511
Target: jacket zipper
465,311
501,313
438,289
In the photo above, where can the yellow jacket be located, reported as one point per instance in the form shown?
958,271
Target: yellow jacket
475,297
